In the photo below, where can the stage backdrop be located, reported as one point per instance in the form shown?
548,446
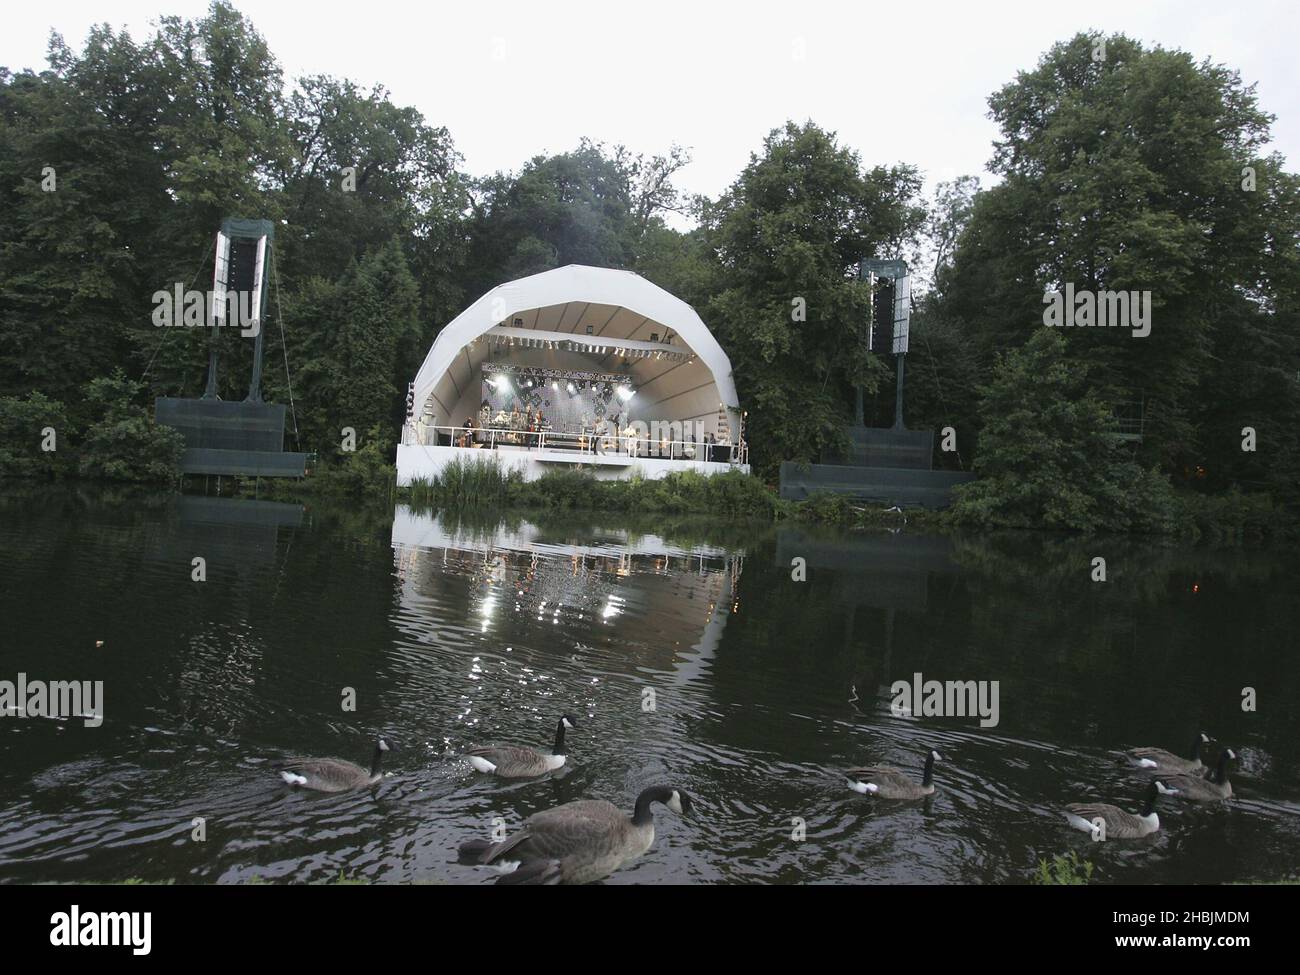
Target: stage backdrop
591,401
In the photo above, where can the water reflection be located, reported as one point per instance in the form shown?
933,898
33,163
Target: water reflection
454,631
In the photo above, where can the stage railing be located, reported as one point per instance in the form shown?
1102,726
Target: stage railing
621,444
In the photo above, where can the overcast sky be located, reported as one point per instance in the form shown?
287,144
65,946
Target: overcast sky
904,81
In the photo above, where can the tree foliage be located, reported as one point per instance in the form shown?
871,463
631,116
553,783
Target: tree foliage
1050,456
786,303
1129,172
1140,170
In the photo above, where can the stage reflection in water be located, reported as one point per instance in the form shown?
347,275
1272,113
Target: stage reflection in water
631,588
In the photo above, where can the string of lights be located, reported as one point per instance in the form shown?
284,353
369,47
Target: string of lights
502,376
578,344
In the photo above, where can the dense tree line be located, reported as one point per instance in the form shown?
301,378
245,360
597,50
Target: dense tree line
1138,170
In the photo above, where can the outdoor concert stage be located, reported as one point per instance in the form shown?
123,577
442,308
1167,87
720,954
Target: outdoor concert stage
577,366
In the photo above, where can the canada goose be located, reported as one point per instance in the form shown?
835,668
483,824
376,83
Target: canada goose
1168,762
890,783
1119,825
577,842
334,774
517,762
1210,789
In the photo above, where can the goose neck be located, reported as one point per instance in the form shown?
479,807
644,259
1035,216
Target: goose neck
927,778
641,814
1221,771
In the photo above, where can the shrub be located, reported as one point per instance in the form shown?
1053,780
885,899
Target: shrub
123,443
1049,457
23,423
833,509
1065,871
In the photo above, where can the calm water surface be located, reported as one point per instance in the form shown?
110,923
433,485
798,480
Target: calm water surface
453,633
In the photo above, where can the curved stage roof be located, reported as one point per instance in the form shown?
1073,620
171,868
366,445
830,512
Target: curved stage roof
583,319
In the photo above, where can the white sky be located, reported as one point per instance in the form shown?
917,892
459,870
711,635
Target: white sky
511,80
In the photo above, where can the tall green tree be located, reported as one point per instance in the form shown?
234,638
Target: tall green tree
593,205
353,373
786,303
1050,456
1123,169
81,192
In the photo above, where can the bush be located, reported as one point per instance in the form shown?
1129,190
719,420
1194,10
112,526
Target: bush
23,431
123,443
365,472
1064,871
486,483
1049,457
1233,516
482,482
833,509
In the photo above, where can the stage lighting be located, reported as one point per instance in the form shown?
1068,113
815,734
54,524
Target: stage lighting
625,393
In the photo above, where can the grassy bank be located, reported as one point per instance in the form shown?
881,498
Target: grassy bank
485,483
367,478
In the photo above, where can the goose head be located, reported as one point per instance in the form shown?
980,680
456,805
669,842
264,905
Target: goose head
568,721
679,802
675,799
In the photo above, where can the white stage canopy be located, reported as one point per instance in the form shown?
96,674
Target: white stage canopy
581,318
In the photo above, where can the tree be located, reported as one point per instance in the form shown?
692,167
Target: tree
356,343
123,443
786,303
1125,172
593,205
27,426
1049,456
364,171
81,191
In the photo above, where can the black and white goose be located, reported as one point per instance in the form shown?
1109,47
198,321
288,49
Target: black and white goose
886,782
578,842
1210,789
334,774
1167,762
1118,824
517,762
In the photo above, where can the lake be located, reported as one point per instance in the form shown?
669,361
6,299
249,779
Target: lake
687,653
